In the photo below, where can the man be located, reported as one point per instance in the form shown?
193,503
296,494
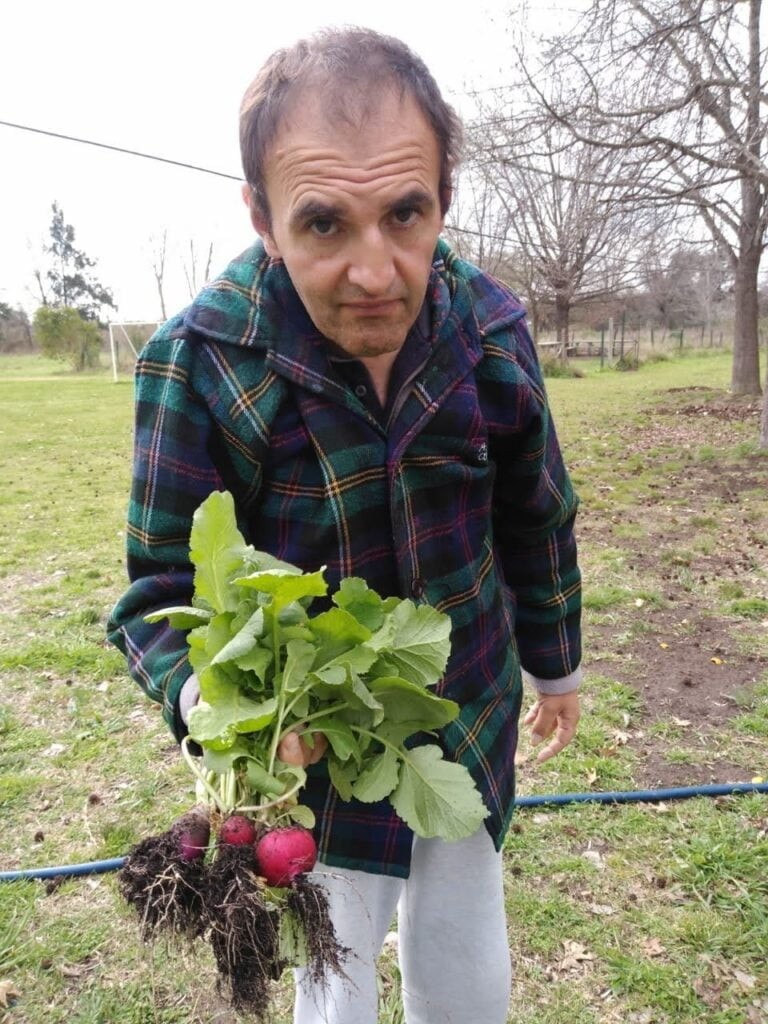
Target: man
374,404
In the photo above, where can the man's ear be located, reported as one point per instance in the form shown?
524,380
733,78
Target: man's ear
259,221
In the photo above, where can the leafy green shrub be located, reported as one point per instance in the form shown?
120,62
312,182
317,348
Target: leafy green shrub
62,333
629,361
551,366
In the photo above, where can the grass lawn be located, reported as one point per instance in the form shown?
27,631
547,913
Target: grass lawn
646,913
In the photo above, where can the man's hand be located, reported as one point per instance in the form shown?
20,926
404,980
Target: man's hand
294,749
553,713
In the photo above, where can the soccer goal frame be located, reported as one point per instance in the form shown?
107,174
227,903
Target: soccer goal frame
119,335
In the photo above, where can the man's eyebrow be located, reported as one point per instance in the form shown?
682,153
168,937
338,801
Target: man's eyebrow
415,197
314,209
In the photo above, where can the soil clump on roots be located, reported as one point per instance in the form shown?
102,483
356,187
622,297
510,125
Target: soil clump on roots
244,931
167,893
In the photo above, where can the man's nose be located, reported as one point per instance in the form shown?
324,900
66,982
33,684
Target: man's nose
372,265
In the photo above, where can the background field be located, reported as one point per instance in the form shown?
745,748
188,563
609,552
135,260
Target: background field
640,913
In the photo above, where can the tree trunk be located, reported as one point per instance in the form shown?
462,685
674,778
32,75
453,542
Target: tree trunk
745,378
764,421
745,375
562,316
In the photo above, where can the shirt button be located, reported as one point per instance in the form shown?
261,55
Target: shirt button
361,390
417,587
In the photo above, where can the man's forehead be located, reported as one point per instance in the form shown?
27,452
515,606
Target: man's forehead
331,112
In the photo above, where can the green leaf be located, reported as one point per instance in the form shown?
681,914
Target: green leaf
342,776
339,735
357,660
298,661
222,761
437,798
416,641
302,815
285,586
290,774
217,725
216,549
356,597
205,642
337,632
257,660
379,777
181,617
365,699
243,641
292,940
406,702
262,782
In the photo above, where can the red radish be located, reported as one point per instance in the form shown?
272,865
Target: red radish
237,830
284,853
193,841
192,832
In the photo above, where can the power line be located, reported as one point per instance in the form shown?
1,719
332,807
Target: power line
233,177
121,149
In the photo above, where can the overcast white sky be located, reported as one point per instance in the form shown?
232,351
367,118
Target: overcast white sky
166,78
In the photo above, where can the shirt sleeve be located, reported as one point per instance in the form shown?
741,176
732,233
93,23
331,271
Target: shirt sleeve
172,475
534,512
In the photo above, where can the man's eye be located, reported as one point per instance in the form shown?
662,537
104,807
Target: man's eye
406,215
323,226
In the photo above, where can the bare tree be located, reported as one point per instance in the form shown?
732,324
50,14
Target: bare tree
159,247
565,217
190,269
678,87
479,225
684,286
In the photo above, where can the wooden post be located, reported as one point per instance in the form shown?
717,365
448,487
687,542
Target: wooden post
623,324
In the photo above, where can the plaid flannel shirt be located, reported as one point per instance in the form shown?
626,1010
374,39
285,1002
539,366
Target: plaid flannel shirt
461,499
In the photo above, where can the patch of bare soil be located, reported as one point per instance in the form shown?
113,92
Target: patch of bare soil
690,661
692,676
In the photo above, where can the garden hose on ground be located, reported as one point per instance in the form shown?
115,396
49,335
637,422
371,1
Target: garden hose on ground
97,867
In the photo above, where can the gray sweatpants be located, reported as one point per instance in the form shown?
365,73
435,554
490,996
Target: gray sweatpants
452,938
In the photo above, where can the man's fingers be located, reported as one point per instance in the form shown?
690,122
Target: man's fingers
290,749
320,745
558,714
563,736
293,749
542,724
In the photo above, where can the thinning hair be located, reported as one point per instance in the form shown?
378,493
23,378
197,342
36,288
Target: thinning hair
349,67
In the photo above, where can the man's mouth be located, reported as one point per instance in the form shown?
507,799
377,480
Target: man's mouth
378,308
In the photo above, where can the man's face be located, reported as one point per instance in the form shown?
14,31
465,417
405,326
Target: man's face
355,218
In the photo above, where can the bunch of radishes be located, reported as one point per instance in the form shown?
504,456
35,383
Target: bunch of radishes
280,854
247,893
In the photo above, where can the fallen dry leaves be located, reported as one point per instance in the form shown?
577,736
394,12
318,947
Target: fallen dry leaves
8,993
575,956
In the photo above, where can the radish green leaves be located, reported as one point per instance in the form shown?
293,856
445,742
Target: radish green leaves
358,673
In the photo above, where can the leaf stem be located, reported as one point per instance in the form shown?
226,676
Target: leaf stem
277,679
275,803
329,710
200,775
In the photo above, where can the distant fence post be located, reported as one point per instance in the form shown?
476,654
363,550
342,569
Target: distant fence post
623,323
602,347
